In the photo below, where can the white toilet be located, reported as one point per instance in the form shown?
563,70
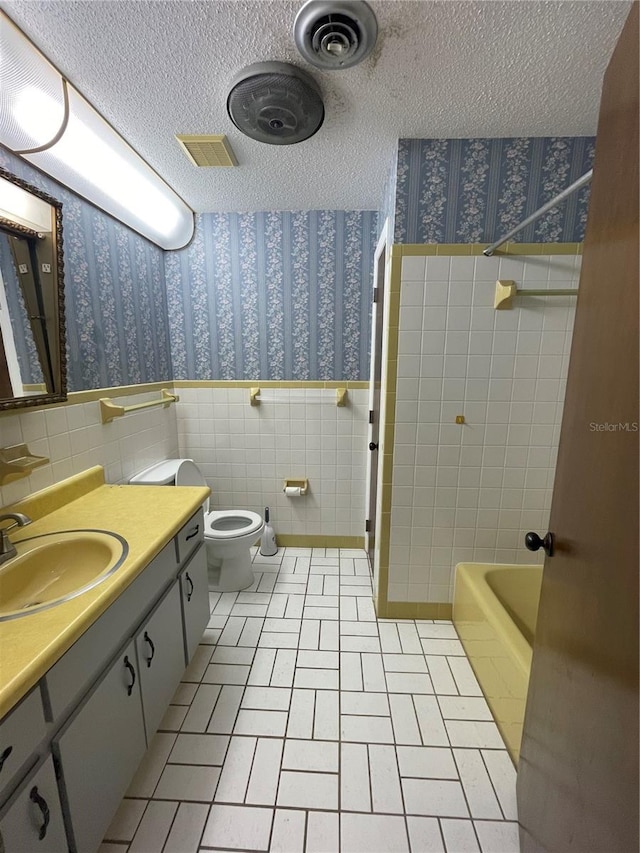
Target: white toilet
228,534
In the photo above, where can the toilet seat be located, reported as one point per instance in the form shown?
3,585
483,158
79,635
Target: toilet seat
231,524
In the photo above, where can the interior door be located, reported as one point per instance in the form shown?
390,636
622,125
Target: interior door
578,773
380,263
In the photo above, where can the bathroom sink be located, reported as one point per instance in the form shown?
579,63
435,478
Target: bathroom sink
55,567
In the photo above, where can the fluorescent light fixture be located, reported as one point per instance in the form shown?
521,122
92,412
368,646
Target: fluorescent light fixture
17,205
72,143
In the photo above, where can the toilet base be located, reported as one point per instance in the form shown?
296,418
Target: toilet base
230,574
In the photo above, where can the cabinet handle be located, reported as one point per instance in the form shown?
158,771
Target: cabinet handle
4,756
35,797
193,533
129,666
151,646
190,582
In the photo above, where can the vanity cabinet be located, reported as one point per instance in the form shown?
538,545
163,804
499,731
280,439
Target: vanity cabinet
100,748
33,821
95,711
160,654
194,590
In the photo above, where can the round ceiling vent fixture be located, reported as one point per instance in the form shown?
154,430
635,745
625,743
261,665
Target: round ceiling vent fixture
276,103
335,34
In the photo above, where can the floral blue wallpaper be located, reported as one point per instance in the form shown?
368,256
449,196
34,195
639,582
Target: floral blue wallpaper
26,352
115,295
475,190
273,295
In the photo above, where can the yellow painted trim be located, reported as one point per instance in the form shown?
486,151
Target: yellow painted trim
265,383
416,610
475,249
303,540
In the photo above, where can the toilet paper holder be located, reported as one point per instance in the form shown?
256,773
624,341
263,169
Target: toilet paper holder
302,484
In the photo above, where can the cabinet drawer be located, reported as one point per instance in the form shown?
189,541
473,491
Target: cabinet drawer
76,670
33,821
100,749
159,646
190,535
21,731
194,587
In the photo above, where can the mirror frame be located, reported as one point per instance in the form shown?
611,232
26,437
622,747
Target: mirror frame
19,230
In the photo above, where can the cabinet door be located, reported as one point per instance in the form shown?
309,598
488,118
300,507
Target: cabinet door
100,749
33,823
20,733
160,650
194,586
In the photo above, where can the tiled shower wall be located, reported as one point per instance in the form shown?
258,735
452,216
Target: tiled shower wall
470,492
73,437
245,453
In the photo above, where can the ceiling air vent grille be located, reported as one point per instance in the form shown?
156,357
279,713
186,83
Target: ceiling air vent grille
335,34
212,150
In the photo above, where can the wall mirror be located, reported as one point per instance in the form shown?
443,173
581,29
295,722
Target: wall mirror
32,341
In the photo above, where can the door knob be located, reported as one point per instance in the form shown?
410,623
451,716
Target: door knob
534,543
373,445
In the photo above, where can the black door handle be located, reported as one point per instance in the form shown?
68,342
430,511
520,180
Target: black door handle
129,666
40,801
5,755
533,542
151,647
373,445
190,582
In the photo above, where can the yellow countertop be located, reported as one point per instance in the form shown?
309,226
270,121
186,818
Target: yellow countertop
146,516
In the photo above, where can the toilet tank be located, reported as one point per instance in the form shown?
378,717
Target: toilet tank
160,474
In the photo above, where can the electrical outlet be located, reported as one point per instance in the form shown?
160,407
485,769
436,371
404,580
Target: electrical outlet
23,268
46,267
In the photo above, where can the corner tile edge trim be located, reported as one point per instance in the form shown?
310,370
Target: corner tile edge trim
415,610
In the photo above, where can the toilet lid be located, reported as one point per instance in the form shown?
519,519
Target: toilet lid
188,474
229,523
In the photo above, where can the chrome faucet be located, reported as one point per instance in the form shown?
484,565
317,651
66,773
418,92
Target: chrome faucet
7,548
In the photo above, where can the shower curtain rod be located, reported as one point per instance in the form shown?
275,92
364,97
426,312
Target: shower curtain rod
541,211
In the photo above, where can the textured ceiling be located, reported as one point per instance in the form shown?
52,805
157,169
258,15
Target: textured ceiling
439,69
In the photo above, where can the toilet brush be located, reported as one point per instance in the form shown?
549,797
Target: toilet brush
268,545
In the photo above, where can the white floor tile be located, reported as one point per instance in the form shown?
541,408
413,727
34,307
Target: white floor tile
477,784
311,612
435,631
441,675
465,679
232,631
464,708
426,762
348,608
238,827
226,673
310,634
362,833
284,668
403,719
321,600
308,790
265,773
366,729
503,776
355,794
409,682
365,629
226,710
386,794
310,755
409,639
459,836
126,820
495,835
249,610
323,679
287,626
277,606
262,667
365,704
233,654
373,673
234,778
473,734
295,607
154,827
317,660
278,640
430,721
198,665
329,638
323,833
351,671
267,698
251,632
404,663
301,713
261,723
187,828
425,836
326,723
366,613
187,782
360,644
442,647
288,831
434,797
199,749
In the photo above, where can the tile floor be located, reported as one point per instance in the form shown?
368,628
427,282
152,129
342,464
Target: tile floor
303,724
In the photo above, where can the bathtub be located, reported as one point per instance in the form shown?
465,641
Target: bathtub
495,609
